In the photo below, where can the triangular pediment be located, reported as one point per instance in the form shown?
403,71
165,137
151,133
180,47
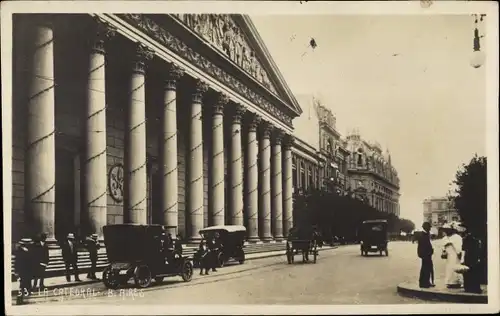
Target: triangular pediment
236,37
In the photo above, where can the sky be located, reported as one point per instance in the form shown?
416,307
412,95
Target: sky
427,105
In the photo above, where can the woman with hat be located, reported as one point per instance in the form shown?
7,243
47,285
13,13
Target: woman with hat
92,245
452,251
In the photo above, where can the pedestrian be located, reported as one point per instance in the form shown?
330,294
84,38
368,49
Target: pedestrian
204,257
178,246
214,247
24,268
92,245
41,250
472,259
425,252
70,256
452,252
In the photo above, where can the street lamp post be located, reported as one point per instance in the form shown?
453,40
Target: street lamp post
477,58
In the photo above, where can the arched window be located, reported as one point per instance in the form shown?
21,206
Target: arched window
294,172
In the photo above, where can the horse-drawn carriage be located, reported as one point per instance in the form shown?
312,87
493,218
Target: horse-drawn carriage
305,240
136,251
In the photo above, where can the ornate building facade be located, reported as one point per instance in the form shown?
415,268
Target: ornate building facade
372,177
181,120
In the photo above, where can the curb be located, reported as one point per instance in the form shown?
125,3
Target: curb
405,289
87,282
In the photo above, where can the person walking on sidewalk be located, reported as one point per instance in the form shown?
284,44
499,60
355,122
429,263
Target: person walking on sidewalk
92,245
41,255
471,258
24,267
70,256
425,252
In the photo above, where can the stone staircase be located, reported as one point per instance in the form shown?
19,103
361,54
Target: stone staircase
56,264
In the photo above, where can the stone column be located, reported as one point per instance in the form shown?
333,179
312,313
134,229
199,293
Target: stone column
287,184
95,160
236,168
195,164
135,146
168,151
277,187
39,162
265,182
216,187
252,178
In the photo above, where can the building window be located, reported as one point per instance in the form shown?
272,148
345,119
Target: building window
294,172
302,175
309,177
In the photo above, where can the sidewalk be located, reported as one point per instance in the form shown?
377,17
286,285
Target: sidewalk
442,293
60,281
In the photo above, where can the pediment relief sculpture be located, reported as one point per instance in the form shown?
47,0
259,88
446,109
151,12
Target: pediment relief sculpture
223,33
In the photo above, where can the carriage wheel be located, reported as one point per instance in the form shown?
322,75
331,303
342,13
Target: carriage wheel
187,271
109,279
142,276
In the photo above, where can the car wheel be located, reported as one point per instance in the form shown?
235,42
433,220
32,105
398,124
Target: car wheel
187,271
142,276
109,279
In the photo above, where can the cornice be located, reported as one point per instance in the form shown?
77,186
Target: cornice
150,26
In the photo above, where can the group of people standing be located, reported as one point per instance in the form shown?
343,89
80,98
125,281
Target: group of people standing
462,255
208,253
32,259
170,247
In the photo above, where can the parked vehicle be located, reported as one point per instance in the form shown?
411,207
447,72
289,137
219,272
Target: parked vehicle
136,252
304,240
230,240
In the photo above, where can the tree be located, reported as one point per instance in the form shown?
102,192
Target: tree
469,197
470,200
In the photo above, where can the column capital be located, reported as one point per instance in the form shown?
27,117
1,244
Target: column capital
174,73
288,141
101,33
266,128
142,55
238,112
277,136
199,90
221,101
254,121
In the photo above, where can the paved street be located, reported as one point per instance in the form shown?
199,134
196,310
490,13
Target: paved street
341,276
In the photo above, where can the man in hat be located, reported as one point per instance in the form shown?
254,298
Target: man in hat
92,245
70,256
24,267
41,250
425,252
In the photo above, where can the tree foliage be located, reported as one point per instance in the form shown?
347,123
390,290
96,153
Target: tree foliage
470,196
338,215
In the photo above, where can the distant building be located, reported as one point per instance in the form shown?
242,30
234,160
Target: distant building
439,211
372,177
323,159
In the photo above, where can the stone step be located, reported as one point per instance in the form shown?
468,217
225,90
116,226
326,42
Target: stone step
57,267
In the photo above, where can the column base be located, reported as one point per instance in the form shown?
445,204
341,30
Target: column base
254,240
267,238
279,238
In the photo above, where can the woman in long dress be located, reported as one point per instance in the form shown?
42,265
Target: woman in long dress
453,250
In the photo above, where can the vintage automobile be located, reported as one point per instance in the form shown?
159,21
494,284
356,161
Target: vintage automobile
305,240
231,242
135,251
374,237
